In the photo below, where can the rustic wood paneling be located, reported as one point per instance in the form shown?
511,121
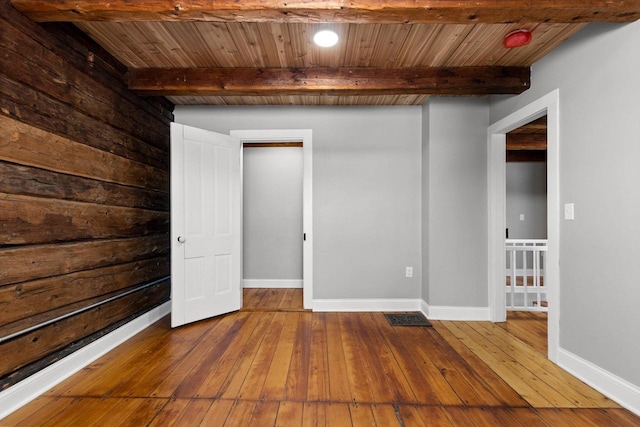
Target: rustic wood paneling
28,299
24,144
34,345
31,262
20,101
84,195
31,220
30,181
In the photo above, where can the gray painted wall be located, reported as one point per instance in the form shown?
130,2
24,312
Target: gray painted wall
526,194
272,208
366,191
596,72
457,170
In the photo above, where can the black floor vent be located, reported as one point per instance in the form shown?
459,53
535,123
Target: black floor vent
407,319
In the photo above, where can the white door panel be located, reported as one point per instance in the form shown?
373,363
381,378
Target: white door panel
206,216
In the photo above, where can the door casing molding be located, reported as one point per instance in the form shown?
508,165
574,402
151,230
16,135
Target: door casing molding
548,104
304,136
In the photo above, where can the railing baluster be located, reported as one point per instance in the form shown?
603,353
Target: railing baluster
537,249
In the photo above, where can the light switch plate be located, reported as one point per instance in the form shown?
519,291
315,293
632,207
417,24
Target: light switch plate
569,212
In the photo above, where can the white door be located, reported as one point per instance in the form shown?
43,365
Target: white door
205,224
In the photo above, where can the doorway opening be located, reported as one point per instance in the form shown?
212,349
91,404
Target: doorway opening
526,233
272,225
497,137
292,137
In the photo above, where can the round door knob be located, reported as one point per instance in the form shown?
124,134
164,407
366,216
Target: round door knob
181,239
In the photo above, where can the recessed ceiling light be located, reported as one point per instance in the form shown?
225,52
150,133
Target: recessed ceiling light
325,38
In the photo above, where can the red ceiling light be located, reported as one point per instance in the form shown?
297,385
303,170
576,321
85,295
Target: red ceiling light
517,38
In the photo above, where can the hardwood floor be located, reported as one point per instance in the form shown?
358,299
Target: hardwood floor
266,299
528,326
263,367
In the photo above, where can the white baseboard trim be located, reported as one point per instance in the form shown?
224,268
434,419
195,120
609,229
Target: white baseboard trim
612,386
436,312
25,391
272,283
371,304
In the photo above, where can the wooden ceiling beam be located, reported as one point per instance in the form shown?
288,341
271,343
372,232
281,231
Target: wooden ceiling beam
339,11
527,141
450,81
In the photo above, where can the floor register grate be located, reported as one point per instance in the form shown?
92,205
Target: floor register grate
407,319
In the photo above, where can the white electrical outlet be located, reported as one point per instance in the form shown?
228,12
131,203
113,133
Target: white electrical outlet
409,272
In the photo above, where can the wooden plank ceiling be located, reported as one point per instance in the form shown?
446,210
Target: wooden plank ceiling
396,52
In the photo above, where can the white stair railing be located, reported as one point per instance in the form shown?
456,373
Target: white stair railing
525,288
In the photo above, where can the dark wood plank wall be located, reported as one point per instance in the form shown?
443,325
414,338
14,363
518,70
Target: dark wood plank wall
84,195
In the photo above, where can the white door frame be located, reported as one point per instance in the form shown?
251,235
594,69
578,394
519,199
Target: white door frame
304,136
496,139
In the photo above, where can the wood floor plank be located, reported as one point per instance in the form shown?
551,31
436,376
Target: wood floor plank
170,412
130,412
416,347
503,392
200,354
276,380
235,378
517,377
339,386
318,388
256,376
265,414
338,415
385,415
558,416
434,416
491,417
361,414
559,380
271,299
528,326
356,365
298,375
241,413
212,380
314,415
291,300
94,414
411,416
621,417
218,413
448,362
103,375
289,414
141,413
528,417
388,383
16,417
412,370
458,416
251,297
184,377
182,412
75,412
46,412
